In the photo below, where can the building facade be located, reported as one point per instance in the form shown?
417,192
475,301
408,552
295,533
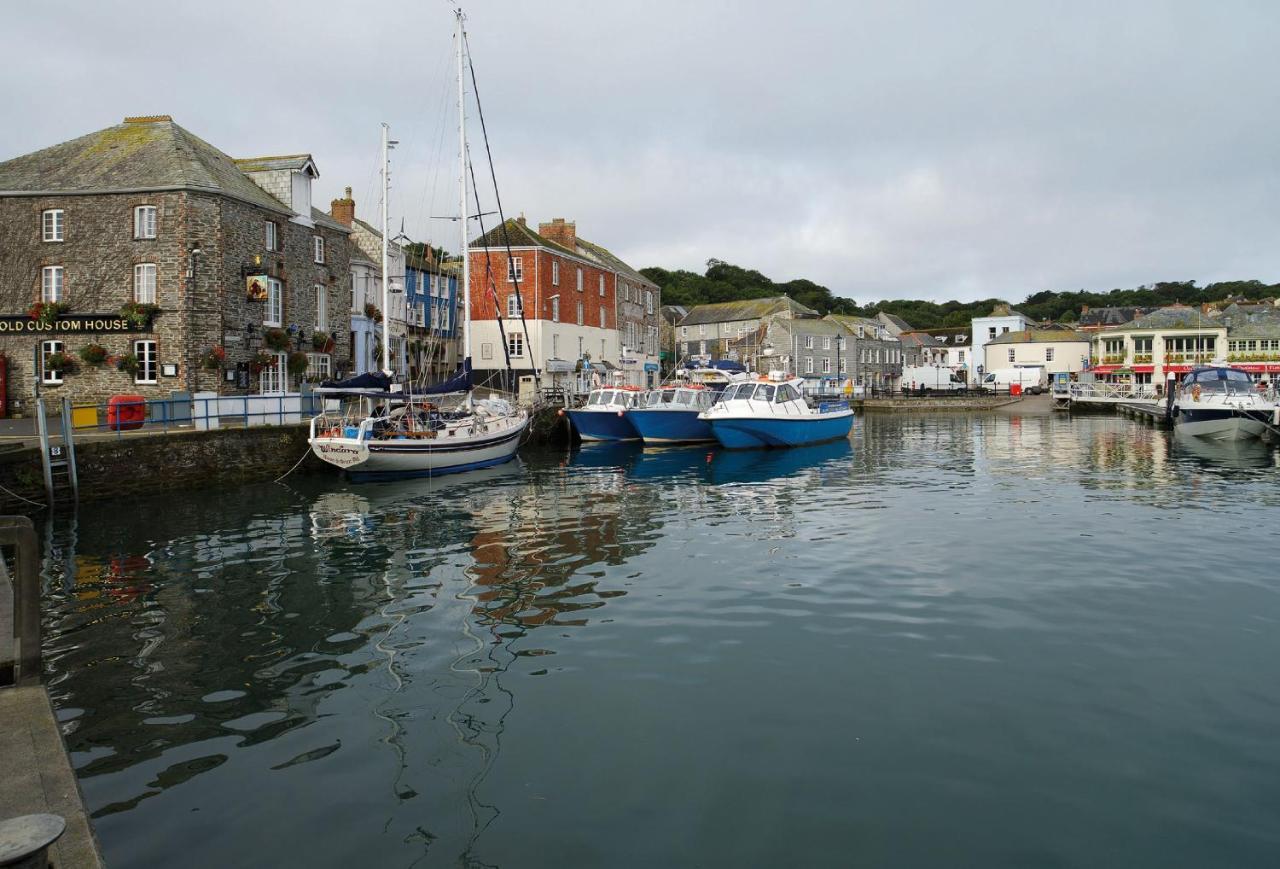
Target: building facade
731,330
1058,351
434,317
549,302
876,353
139,259
367,312
1002,320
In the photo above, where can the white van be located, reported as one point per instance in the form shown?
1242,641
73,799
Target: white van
930,378
1031,378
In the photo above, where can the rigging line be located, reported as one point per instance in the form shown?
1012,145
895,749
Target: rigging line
488,270
493,175
294,468
431,173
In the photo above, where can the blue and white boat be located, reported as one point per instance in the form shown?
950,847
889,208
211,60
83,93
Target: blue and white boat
772,412
604,416
670,415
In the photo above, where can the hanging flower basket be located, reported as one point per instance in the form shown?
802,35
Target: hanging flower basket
60,362
128,363
260,362
93,355
371,311
322,342
45,313
276,339
138,314
214,359
297,362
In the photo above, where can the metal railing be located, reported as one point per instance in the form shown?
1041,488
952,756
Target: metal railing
1109,392
20,646
199,412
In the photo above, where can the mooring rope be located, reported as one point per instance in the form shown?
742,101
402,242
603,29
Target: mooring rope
20,498
295,466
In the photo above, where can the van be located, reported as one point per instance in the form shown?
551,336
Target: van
930,378
1030,378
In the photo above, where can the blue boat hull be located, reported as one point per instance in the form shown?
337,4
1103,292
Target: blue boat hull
740,433
602,425
660,426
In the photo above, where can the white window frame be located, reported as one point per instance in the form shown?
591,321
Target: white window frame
144,283
702,348
1012,354
47,349
53,284
648,301
317,248
684,331
274,304
148,353
513,306
515,345
826,364
322,307
555,309
515,270
145,218
555,273
602,286
808,342
826,342
320,365
808,365
274,379
53,224
602,319
579,280
271,235
580,312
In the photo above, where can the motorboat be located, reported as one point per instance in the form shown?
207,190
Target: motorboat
604,416
670,414
1218,402
772,412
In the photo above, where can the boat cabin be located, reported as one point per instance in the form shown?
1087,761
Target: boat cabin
614,398
692,397
1228,381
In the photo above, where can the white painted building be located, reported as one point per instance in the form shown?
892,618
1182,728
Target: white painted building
985,329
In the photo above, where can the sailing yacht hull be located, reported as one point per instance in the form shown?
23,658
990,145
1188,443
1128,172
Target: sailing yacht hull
403,458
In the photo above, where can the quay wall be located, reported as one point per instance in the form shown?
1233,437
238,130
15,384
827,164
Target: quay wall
187,459
930,405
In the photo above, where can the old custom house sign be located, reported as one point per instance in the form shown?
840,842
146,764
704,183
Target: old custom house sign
72,324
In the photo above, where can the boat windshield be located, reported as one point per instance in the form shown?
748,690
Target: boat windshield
1229,380
787,392
764,392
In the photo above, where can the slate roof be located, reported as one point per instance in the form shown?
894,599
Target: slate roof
852,322
292,162
610,261
1174,317
1110,316
142,154
952,336
1039,336
809,326
924,339
321,218
517,234
1251,321
746,309
896,320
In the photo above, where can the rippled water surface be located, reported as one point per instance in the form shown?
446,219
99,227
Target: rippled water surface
953,641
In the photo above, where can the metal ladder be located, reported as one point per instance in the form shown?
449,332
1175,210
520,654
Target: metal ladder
58,459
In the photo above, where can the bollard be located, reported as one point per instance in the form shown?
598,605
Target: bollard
25,840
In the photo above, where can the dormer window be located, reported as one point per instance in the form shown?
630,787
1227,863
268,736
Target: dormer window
144,221
52,221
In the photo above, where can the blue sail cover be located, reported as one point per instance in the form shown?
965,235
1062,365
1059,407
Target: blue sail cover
374,380
459,382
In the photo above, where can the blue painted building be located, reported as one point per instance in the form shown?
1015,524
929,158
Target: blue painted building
434,314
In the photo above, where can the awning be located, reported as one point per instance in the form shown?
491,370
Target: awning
558,366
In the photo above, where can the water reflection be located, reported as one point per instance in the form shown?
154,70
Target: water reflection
480,668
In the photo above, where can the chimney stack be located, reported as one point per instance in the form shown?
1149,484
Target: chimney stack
562,233
1084,309
520,220
343,210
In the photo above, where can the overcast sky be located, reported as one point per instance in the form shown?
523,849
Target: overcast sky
935,149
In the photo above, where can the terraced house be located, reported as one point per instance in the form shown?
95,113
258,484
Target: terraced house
728,330
140,259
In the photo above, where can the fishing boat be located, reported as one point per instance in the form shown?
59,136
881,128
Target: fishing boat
1219,402
376,429
671,413
604,416
772,412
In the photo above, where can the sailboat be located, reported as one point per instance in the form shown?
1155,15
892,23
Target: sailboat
376,429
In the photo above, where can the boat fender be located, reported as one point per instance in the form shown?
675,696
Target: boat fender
620,413
560,412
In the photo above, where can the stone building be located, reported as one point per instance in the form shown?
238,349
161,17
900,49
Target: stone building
875,354
716,331
144,244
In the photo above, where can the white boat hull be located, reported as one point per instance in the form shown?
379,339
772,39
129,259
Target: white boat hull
399,458
1227,428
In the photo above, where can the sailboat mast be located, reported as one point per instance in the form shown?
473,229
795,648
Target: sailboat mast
386,255
462,201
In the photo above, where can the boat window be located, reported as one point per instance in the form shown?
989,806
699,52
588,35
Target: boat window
594,398
786,392
764,392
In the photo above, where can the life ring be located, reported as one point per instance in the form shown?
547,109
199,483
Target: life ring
1195,392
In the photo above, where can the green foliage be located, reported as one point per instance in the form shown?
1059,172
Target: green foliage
724,282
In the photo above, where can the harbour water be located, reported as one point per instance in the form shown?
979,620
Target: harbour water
956,640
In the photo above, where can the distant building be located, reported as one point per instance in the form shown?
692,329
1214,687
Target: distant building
1059,351
1165,341
954,344
146,243
876,353
895,324
985,329
1094,319
366,295
921,349
705,332
434,317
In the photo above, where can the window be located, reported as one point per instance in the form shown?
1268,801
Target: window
1004,330
274,313
144,283
1011,354
272,235
702,330
991,333
322,307
826,342
1048,354
555,309
319,365
844,364
579,313
486,351
808,365
702,348
147,365
514,307
272,379
808,342
51,284
684,331
602,286
579,280
826,364
515,270
47,349
317,246
961,355
52,222
515,344
555,273
648,301
144,221
602,321
555,346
